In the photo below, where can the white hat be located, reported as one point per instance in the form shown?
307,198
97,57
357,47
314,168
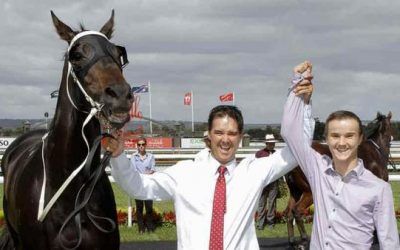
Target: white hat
270,138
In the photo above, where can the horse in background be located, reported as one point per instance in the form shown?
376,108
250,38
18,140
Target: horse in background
93,94
374,151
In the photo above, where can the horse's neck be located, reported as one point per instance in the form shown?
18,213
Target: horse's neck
377,143
65,138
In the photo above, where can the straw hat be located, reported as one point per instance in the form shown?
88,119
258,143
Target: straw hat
270,138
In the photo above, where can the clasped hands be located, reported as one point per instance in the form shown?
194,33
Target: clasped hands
305,86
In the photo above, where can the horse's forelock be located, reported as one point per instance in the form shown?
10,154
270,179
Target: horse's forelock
82,27
372,128
380,116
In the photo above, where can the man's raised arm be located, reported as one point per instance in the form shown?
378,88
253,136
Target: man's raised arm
282,161
293,117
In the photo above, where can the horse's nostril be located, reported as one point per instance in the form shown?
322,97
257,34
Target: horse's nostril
130,96
111,92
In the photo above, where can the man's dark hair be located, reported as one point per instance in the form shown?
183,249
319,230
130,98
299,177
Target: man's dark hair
142,139
226,110
341,115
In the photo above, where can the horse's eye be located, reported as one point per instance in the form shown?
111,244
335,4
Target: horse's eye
76,56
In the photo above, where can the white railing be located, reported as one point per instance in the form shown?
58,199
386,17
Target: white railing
175,154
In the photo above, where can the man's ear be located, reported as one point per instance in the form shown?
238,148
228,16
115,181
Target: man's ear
361,139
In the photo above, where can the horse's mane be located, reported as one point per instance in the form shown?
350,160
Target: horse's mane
373,127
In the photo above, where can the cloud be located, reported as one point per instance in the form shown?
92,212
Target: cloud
212,47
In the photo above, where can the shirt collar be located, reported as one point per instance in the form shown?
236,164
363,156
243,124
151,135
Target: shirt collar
137,155
215,165
357,171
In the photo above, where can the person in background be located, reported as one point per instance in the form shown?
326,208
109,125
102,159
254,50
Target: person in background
203,154
144,163
214,196
350,202
267,203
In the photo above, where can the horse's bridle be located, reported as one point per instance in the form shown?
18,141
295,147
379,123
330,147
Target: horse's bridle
80,72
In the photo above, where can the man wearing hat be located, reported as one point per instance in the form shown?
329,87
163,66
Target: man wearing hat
267,203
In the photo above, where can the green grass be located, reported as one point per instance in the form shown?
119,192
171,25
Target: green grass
168,232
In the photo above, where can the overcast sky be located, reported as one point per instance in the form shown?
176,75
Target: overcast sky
213,47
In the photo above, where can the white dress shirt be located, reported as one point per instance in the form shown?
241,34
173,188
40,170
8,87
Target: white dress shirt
190,184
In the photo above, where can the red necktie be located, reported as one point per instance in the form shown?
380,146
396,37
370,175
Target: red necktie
219,209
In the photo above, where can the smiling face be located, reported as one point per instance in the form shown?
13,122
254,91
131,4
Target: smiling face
224,139
270,145
343,138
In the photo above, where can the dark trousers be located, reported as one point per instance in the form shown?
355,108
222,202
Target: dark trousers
149,215
267,205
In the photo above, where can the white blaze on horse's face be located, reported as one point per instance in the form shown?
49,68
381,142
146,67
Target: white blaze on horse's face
343,139
224,139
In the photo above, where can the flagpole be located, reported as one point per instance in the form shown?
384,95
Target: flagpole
191,92
151,123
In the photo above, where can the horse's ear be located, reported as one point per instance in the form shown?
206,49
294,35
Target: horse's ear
108,27
63,30
389,115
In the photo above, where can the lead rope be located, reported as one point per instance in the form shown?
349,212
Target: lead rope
79,206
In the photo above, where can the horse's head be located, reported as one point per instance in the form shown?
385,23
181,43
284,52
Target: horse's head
96,67
380,130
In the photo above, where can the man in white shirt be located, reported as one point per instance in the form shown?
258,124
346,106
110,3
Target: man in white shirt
195,186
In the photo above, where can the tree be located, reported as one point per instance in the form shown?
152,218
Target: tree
256,133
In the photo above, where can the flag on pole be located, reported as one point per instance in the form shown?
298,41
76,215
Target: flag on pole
187,100
140,89
54,94
226,97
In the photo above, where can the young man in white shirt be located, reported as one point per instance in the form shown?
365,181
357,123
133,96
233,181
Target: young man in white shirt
350,203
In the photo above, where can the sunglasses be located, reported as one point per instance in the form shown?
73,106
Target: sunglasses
141,144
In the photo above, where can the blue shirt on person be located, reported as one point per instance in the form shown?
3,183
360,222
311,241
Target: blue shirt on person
145,165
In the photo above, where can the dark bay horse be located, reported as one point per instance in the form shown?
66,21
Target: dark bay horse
93,94
374,151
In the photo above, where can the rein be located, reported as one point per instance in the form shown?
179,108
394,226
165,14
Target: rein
87,190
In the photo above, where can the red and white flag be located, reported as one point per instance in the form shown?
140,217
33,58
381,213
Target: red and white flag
226,97
187,100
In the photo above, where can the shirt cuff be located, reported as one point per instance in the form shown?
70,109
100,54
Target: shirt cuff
297,78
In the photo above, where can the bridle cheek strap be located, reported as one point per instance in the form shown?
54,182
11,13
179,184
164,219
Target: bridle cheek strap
94,104
71,72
